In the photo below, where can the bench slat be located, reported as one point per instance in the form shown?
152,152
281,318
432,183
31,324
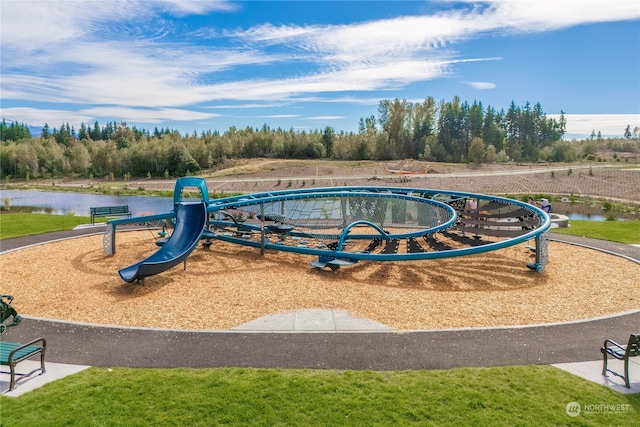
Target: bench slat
7,347
13,353
107,211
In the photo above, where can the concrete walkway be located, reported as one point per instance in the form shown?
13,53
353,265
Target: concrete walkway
330,339
312,320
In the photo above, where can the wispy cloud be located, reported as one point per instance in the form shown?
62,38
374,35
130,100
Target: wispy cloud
151,115
198,7
40,116
274,116
546,15
325,117
482,85
581,125
103,114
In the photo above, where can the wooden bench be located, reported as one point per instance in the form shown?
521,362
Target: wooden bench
13,353
621,352
109,211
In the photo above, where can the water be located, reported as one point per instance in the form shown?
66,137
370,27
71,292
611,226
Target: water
588,211
79,203
60,203
586,217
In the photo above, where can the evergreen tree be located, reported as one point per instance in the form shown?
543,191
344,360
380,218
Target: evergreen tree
14,131
328,137
107,131
96,132
492,132
83,133
476,116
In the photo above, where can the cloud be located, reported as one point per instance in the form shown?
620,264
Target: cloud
326,117
277,116
198,7
482,85
533,16
88,116
40,116
581,125
148,115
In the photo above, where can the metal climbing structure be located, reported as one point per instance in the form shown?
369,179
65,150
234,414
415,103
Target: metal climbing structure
344,225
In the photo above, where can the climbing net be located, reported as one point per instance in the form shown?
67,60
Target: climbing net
325,217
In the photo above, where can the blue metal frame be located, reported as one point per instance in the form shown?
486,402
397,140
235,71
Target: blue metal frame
239,201
190,181
422,195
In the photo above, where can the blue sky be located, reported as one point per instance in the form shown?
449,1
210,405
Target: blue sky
209,65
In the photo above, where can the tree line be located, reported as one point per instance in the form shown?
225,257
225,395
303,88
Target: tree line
445,131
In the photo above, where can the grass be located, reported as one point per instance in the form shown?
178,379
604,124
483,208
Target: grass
616,231
24,224
507,396
27,224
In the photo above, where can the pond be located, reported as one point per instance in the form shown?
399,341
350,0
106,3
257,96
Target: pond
589,211
586,217
61,203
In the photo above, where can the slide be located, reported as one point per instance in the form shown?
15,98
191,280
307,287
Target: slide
191,219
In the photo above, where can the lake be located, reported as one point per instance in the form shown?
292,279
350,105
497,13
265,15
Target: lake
61,203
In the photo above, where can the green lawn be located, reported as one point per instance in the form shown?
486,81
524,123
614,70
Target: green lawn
507,396
615,231
27,224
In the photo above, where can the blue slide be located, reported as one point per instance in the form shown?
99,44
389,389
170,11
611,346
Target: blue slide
191,219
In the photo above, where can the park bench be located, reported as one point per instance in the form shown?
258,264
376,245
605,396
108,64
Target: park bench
109,211
621,352
13,353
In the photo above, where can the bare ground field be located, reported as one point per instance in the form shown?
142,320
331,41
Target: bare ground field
604,180
607,182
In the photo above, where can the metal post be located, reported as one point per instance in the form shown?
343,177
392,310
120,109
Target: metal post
261,228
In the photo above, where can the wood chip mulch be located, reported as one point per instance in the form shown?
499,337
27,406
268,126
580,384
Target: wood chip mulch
227,285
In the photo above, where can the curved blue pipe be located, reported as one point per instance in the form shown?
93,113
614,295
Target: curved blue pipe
343,235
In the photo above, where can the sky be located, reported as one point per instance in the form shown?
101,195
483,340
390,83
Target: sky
198,65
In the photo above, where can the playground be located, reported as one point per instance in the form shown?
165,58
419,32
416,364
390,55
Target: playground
410,259
227,285
79,295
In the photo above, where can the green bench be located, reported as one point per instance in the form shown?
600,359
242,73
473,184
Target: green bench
621,352
13,353
109,211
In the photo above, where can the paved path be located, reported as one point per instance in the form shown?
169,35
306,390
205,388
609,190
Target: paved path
631,252
113,346
83,344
